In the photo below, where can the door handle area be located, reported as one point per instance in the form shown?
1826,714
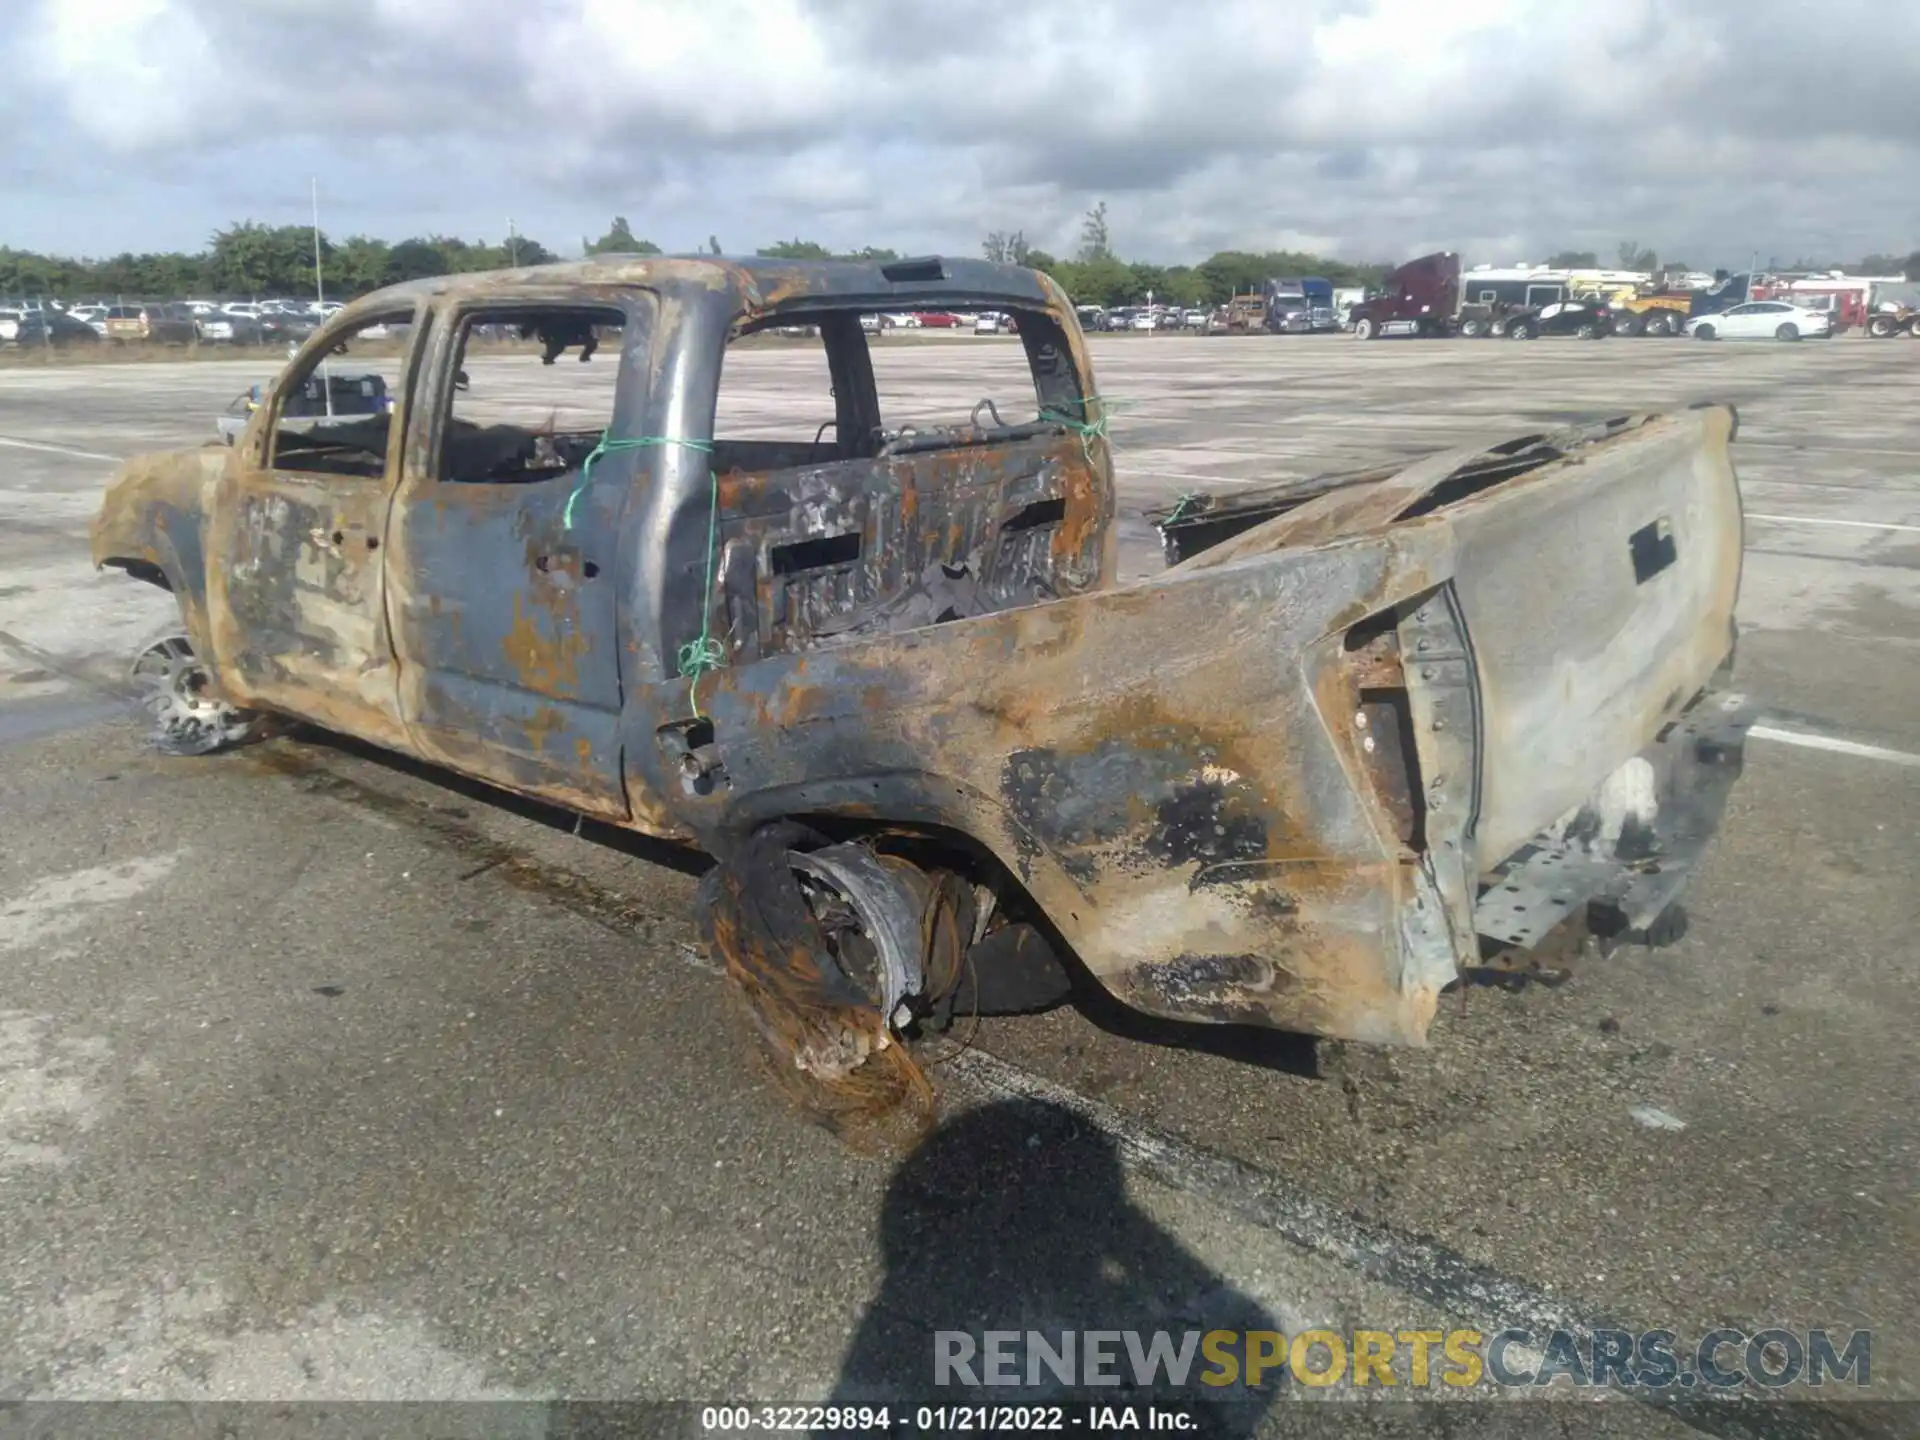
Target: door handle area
341,536
566,560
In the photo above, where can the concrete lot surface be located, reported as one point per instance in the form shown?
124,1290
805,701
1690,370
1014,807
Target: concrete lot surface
323,1076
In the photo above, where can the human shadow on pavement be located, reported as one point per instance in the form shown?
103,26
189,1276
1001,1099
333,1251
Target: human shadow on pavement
1015,1217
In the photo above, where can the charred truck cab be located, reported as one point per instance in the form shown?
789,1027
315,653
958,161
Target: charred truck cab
882,672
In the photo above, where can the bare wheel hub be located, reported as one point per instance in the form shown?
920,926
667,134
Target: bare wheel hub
175,689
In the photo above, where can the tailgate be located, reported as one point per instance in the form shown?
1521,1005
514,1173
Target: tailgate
1597,595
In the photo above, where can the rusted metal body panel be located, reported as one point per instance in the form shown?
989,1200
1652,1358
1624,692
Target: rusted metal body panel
1269,785
1171,769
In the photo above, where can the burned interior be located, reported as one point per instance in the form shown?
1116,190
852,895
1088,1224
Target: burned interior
875,523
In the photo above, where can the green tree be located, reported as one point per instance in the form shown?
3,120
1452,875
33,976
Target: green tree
1183,285
713,244
1102,281
795,249
619,240
1635,256
359,264
254,259
415,259
1096,240
1007,247
1574,260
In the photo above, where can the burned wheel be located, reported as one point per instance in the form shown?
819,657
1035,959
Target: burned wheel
831,951
173,687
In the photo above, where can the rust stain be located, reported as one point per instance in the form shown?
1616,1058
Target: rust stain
543,665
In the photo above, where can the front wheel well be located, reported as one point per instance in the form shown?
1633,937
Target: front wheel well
140,569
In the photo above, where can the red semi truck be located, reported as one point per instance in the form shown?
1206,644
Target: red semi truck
1419,298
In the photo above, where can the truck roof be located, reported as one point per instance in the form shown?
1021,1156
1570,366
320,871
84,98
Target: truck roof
769,284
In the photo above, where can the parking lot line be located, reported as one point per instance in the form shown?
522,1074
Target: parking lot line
1848,524
1834,744
13,444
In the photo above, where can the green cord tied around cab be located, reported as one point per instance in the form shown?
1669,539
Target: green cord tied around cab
1187,498
1088,431
704,653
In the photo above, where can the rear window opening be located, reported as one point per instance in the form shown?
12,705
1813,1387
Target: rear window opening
867,493
1028,388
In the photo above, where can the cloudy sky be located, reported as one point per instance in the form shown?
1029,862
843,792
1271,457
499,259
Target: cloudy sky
1708,129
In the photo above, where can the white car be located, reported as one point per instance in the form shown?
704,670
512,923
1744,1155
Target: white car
1762,320
1142,321
987,324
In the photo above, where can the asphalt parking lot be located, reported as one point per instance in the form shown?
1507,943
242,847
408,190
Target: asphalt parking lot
325,1077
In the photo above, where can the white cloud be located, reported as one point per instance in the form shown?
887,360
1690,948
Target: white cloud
122,64
1712,127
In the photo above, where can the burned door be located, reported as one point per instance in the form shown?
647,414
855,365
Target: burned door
297,584
505,567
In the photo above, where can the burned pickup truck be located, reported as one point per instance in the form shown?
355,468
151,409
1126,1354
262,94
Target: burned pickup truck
881,670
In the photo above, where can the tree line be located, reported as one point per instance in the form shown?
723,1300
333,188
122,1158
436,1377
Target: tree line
253,259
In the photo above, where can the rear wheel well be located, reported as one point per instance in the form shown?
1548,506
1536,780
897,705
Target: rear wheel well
932,848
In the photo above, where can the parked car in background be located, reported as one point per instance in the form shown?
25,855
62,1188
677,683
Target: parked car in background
151,324
937,319
94,317
1194,319
993,323
54,328
1588,319
223,327
9,324
1762,320
1141,321
286,327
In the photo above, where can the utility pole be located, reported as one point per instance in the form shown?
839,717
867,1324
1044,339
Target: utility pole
320,294
513,243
